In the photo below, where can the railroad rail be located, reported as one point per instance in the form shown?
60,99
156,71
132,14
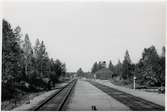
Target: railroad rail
57,100
133,102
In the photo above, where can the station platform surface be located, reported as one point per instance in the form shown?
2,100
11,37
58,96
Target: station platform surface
86,95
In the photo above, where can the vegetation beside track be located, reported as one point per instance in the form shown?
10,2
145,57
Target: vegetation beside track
26,69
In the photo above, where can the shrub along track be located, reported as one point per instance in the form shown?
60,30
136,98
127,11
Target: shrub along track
57,100
133,102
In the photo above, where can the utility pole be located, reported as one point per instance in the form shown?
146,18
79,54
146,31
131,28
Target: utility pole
94,76
134,82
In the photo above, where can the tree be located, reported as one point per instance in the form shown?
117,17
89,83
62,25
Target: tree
163,52
11,63
127,57
11,53
101,64
110,66
64,69
162,67
58,69
41,57
28,53
94,68
126,66
36,48
150,66
23,65
80,72
118,69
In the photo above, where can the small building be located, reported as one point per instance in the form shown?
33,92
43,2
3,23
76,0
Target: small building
104,74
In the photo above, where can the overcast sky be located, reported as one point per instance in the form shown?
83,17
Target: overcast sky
80,33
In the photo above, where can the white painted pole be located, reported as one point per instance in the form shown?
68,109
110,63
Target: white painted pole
134,86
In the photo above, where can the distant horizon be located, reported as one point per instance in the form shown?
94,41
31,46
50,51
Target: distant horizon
80,34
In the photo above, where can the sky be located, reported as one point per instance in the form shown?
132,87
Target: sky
80,33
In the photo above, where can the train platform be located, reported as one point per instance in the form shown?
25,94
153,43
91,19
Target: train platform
153,97
85,96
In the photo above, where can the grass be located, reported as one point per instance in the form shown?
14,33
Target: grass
123,83
21,99
129,84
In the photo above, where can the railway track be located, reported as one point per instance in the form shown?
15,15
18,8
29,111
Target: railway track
133,102
57,100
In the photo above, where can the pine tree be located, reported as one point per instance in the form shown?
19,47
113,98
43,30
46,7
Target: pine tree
163,52
110,66
162,67
11,53
80,72
118,69
11,63
36,48
126,66
41,58
28,53
94,68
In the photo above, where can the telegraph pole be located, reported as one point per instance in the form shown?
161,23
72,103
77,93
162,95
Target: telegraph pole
134,82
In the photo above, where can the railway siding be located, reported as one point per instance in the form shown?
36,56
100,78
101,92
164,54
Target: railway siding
152,97
133,102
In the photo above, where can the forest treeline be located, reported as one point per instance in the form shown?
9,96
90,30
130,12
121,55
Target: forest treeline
149,71
26,68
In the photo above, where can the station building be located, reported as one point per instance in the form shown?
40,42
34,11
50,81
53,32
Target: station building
104,74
